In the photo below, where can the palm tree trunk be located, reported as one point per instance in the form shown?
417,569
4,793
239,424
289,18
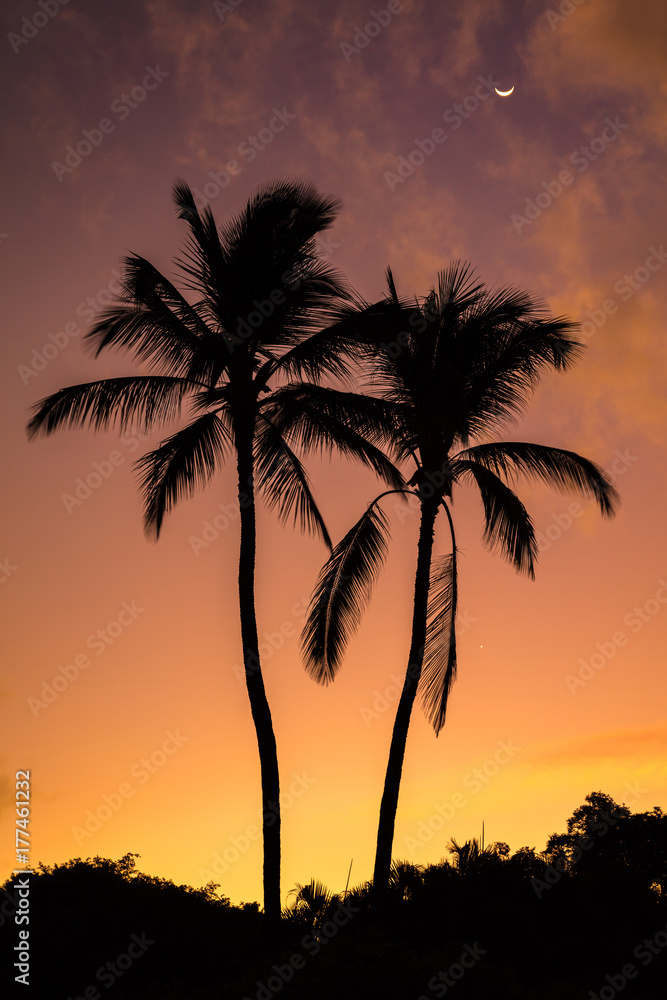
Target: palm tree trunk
259,705
392,781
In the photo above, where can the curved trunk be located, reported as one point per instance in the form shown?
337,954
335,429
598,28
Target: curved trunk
259,705
392,780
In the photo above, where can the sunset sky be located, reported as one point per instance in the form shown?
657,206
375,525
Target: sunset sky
558,189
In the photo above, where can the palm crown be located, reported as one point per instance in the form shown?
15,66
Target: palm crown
266,308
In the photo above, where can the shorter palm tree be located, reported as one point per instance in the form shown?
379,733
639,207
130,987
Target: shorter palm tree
461,363
312,904
471,857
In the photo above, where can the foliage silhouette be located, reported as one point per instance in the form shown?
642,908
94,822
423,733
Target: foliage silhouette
460,364
555,944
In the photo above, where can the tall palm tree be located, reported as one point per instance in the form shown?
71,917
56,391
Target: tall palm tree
462,363
264,309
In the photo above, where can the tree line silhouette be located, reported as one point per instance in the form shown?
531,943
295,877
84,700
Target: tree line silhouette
561,924
253,354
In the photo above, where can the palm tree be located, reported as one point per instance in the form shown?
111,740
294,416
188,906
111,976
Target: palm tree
313,904
264,309
470,856
462,363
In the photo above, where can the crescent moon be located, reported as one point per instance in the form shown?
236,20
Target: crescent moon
504,93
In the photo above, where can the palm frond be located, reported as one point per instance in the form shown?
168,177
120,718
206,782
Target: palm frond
391,285
564,470
140,401
281,218
321,354
204,260
152,335
157,324
507,524
467,856
458,286
352,329
315,897
405,879
439,666
509,358
487,346
294,313
318,418
343,589
179,466
274,269
283,481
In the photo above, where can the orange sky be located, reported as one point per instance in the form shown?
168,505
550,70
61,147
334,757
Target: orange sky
160,684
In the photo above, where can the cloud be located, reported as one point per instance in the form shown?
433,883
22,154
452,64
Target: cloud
7,792
619,745
210,57
616,48
591,239
457,38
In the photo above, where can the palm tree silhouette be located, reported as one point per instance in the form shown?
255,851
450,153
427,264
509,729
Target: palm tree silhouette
470,856
462,363
312,903
266,309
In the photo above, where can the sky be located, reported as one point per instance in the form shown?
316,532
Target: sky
121,690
